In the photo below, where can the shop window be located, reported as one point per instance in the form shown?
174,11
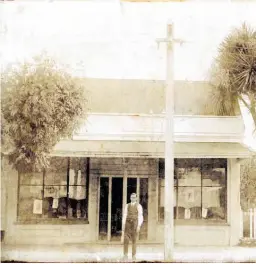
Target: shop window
59,192
200,189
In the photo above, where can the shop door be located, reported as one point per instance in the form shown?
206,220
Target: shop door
114,194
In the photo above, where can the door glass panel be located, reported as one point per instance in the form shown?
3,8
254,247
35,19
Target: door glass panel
144,203
117,204
131,187
103,217
116,209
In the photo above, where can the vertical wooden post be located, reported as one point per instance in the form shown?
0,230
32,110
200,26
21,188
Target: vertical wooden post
138,189
67,202
241,223
98,205
251,219
254,223
109,207
124,195
87,185
124,192
169,153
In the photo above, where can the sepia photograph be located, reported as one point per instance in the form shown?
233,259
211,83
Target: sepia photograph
128,131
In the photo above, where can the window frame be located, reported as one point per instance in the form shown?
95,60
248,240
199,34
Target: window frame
56,221
199,221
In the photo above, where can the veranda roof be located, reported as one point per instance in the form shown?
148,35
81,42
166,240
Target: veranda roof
150,149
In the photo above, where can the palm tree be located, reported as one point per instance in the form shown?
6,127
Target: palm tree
233,75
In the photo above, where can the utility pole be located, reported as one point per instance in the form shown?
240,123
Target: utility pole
169,146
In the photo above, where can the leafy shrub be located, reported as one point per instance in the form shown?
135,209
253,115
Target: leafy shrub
41,104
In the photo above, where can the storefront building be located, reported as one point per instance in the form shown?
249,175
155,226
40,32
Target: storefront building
80,198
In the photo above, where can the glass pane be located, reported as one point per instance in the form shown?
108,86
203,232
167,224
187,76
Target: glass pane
176,175
55,201
77,177
144,193
57,173
31,178
161,203
214,172
62,207
213,177
55,207
161,168
175,196
161,199
30,202
219,163
214,202
58,164
144,204
103,217
131,188
188,163
53,191
79,164
189,202
55,178
77,208
77,192
162,191
161,183
189,176
116,209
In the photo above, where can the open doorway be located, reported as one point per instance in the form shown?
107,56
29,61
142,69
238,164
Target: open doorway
103,209
116,209
113,190
131,187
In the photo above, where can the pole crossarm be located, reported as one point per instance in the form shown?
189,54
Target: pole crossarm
171,40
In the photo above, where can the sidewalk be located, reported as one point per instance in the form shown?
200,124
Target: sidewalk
113,253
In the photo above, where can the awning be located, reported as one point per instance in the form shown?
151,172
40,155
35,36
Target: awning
149,149
141,127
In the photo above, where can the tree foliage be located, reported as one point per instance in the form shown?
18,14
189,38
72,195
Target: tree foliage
234,72
248,184
41,104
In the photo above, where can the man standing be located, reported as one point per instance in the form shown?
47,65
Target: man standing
132,221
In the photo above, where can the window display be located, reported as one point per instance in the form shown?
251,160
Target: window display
200,189
60,192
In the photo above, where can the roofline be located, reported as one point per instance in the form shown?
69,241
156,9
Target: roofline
162,115
142,80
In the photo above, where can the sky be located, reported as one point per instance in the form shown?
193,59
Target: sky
109,39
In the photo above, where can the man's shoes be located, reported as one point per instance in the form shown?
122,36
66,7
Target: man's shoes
133,258
125,258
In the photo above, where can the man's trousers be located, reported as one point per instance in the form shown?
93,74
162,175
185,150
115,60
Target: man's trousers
130,233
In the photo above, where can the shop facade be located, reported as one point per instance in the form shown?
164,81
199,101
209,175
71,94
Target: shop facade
80,198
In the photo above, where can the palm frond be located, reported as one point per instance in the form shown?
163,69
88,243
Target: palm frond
234,72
